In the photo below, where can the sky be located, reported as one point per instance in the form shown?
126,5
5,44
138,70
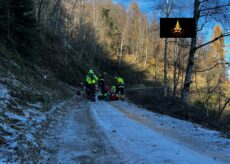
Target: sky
146,6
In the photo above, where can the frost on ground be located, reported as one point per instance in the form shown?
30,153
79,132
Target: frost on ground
26,100
119,132
73,137
4,97
20,127
145,137
77,131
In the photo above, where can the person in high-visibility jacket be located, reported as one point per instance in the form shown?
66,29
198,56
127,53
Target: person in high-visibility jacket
120,85
91,81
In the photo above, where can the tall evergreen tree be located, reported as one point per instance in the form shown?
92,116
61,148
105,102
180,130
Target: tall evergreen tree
18,24
4,20
23,26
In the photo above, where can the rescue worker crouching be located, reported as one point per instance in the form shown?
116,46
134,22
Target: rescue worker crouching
120,87
91,81
113,95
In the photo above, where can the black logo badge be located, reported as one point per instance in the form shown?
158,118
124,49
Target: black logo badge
177,28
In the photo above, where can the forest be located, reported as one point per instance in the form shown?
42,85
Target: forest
177,90
71,36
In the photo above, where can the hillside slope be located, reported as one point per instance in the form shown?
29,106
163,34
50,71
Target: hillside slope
27,95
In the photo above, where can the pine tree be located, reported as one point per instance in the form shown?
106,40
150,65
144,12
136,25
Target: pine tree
23,26
218,45
4,20
18,25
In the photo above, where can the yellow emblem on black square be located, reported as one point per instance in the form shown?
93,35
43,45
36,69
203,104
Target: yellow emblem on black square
177,28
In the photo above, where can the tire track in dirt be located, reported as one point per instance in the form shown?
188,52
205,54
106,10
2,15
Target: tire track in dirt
74,137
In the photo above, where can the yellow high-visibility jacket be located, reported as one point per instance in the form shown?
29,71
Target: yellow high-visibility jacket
120,81
90,80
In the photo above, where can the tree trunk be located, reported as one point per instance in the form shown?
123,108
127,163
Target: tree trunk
182,74
95,16
121,47
156,68
207,97
189,69
156,64
57,16
175,58
40,7
165,68
146,57
167,12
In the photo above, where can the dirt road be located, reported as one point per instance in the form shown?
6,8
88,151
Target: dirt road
74,138
120,132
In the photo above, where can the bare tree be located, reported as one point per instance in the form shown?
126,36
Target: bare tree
168,8
40,5
123,36
203,10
